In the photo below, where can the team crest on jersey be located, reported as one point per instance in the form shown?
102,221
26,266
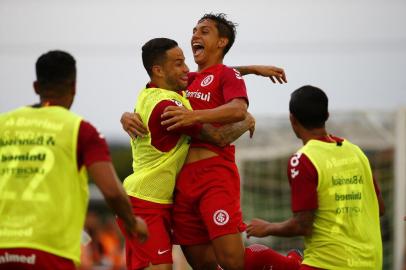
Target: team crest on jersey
206,81
221,217
177,102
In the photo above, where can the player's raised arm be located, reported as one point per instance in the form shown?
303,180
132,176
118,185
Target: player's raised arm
274,73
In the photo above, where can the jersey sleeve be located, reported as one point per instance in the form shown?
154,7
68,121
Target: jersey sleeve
303,180
376,187
92,147
155,120
233,85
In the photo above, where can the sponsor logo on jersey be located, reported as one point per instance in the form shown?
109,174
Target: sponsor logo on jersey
198,95
221,217
208,80
294,162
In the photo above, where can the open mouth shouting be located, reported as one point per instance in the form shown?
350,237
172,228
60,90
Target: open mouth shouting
197,49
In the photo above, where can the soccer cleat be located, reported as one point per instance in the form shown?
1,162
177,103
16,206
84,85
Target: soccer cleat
295,254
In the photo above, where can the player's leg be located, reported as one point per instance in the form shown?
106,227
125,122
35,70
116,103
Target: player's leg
189,229
262,257
160,267
221,212
200,257
229,250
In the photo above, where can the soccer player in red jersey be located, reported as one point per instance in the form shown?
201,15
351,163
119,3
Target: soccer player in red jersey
43,189
207,214
335,200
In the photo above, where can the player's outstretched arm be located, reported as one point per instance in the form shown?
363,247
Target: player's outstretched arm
133,125
227,134
104,175
176,117
300,224
274,73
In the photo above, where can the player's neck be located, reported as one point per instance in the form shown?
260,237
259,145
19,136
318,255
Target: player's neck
313,134
209,63
160,83
52,101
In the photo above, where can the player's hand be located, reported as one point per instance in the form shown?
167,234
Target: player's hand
176,117
251,124
133,125
274,73
258,228
139,230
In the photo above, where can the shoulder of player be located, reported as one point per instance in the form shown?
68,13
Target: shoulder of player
86,129
300,163
230,73
162,105
297,159
168,102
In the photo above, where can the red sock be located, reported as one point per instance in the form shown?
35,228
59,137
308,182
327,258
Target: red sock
260,257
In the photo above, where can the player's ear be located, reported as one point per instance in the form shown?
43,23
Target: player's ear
157,71
292,119
35,85
73,87
223,42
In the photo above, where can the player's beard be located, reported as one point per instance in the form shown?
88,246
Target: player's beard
176,84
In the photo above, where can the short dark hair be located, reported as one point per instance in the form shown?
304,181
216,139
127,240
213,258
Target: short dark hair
154,52
309,105
225,28
55,70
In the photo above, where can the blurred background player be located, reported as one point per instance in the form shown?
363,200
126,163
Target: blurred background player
159,156
336,203
45,152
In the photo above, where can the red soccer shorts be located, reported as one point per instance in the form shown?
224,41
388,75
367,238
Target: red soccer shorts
158,248
32,259
207,201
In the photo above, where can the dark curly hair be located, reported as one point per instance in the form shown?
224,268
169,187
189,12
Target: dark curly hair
225,27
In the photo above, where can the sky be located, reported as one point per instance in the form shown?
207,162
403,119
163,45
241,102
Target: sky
355,50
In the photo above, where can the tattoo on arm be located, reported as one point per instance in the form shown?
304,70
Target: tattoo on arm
226,134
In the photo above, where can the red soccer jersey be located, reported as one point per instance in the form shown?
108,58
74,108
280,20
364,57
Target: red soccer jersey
92,147
303,180
211,88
